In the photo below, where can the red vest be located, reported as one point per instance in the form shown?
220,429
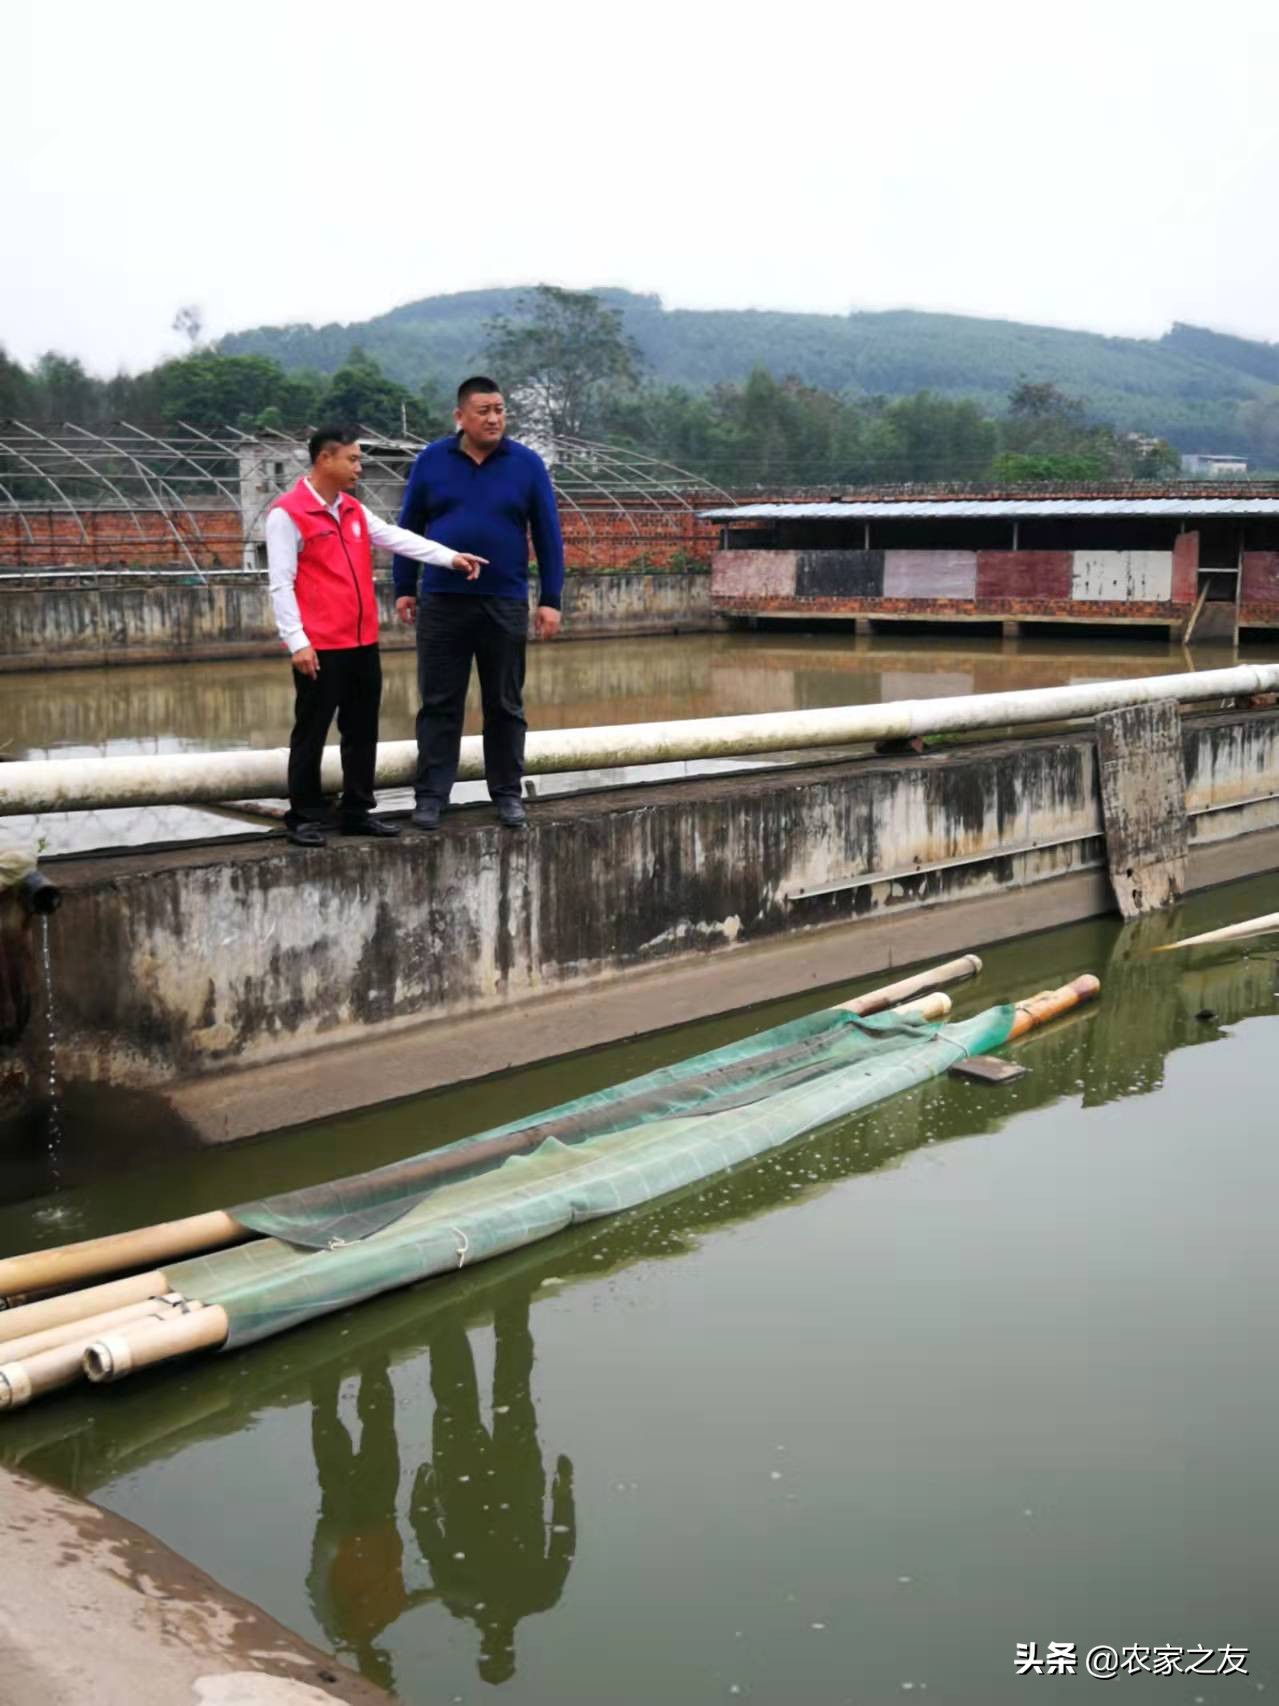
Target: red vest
334,588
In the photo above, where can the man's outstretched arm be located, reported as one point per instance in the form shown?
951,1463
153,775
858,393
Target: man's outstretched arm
409,548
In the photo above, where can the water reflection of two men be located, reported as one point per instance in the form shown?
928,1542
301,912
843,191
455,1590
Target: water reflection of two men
478,1512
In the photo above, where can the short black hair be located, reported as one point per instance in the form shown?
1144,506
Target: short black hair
327,435
474,385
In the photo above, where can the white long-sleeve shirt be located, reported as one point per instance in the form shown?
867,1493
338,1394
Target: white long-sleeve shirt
283,541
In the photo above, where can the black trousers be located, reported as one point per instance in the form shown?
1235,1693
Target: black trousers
350,683
453,629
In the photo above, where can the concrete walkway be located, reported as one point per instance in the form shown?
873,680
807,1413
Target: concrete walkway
95,1609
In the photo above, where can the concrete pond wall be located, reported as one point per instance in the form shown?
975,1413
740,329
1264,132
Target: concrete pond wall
108,619
171,967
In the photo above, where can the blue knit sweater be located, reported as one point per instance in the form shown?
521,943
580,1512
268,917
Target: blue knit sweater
488,508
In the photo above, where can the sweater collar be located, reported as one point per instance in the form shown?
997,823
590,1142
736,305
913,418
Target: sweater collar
499,449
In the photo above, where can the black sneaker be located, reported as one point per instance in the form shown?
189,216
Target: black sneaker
374,826
510,812
306,834
426,814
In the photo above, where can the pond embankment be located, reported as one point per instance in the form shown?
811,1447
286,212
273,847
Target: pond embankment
102,619
459,954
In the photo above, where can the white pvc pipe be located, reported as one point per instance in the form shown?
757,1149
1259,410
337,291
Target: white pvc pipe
195,778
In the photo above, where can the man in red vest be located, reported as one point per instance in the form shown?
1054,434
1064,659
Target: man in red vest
319,546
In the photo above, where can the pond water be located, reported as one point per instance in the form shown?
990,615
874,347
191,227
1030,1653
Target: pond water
195,707
579,684
986,1365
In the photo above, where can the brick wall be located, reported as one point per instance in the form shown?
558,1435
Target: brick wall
633,536
147,539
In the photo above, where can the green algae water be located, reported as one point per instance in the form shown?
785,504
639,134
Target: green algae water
982,1367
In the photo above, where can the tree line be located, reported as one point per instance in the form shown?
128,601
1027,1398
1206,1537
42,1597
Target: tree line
569,369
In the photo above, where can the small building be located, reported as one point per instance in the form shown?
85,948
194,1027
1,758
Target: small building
1180,562
1201,465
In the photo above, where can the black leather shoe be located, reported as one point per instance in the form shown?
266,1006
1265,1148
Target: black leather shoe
426,814
374,826
511,813
306,835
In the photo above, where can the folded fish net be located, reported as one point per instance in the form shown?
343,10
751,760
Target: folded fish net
338,1243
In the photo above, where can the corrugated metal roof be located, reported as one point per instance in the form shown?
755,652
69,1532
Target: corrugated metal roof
1006,509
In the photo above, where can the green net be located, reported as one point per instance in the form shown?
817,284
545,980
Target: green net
732,1076
337,1244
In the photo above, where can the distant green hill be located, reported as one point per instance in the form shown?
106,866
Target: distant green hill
1186,386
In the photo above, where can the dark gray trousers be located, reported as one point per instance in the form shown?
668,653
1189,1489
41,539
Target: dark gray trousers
454,629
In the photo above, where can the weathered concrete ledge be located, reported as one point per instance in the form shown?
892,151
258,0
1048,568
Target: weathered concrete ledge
452,955
108,620
96,1609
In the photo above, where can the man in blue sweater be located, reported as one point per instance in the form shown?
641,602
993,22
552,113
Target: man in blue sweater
480,486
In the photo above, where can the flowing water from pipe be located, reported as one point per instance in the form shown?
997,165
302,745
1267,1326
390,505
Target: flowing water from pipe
54,1126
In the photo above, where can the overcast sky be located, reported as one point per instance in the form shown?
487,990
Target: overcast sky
1106,165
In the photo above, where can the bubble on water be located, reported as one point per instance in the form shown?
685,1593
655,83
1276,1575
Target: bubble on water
904,1580
816,1625
774,1474
459,1554
1028,1513
464,1477
559,1528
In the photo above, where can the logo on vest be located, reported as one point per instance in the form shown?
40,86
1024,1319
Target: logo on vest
355,530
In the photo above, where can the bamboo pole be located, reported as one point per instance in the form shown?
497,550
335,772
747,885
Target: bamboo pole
88,1327
934,1006
20,1382
27,1377
77,1305
1038,1009
1227,933
94,1257
142,1343
876,1000
69,1264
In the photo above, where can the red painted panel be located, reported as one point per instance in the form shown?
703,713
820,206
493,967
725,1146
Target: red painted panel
1259,582
1185,568
1023,574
